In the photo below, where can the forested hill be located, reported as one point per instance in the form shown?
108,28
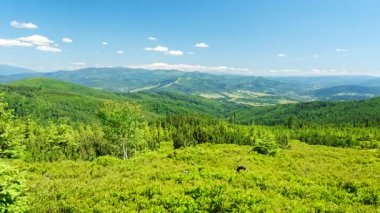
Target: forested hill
363,113
44,98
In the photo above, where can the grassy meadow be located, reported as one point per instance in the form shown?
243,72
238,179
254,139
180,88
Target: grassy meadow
303,178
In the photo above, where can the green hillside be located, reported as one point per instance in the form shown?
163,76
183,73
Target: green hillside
50,99
61,86
347,92
248,90
233,88
179,156
45,98
362,112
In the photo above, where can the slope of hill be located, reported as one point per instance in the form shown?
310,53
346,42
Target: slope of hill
48,98
61,86
249,90
52,99
375,82
352,112
204,179
238,89
346,92
318,82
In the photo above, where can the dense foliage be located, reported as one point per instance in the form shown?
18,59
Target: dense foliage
12,189
180,157
192,130
204,179
47,99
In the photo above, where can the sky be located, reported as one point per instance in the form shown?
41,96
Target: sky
255,37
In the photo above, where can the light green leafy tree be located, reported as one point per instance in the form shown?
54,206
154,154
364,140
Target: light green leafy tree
11,135
122,125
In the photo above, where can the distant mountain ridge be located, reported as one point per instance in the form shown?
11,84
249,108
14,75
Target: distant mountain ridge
6,70
346,92
248,90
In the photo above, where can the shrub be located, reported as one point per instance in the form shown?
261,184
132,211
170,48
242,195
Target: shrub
12,196
107,160
266,146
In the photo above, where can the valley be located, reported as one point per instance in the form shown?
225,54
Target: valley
189,106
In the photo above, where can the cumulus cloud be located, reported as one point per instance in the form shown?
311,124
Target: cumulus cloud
175,52
37,40
40,42
201,45
67,40
282,55
338,50
48,49
165,50
157,48
23,25
152,38
104,43
188,67
120,52
13,43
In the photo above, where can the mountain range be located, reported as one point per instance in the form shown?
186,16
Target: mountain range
247,90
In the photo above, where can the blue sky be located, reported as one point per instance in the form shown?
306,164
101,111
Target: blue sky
283,37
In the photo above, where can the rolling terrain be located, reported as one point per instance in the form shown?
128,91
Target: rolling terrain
46,98
184,152
247,90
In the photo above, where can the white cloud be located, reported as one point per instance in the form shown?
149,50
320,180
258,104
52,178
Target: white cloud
40,42
175,52
285,71
67,40
16,24
77,65
37,40
80,64
13,43
152,38
281,55
310,72
201,45
157,48
104,43
315,56
188,67
338,50
120,52
49,49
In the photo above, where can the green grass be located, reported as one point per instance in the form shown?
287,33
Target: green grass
203,178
